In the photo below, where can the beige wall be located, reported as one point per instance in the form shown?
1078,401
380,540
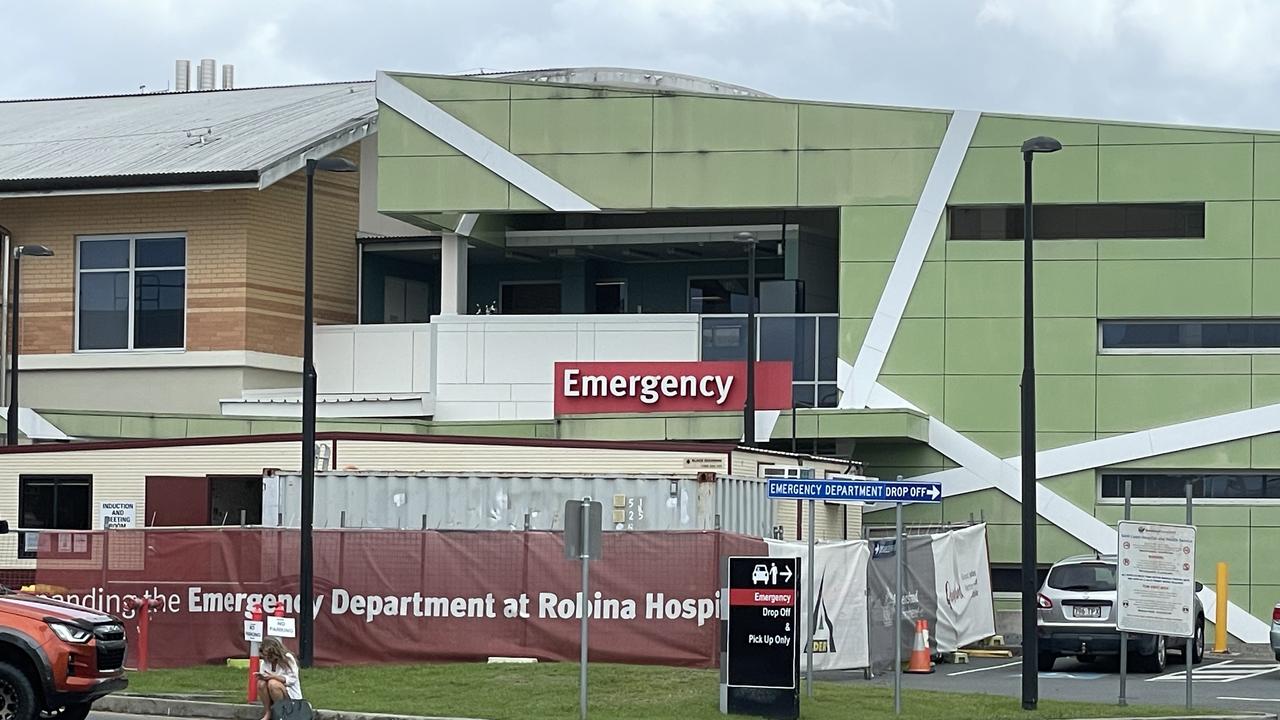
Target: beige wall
148,390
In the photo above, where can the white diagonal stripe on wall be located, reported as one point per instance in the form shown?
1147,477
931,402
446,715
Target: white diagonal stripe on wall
469,142
906,268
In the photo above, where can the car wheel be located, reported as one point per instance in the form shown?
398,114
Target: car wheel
1197,647
77,711
17,699
1045,661
1156,661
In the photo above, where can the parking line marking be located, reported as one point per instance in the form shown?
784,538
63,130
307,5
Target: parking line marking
1231,697
984,669
1222,672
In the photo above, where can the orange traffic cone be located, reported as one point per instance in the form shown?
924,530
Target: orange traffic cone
920,660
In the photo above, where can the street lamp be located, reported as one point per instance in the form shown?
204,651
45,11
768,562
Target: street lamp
749,407
306,624
11,426
1030,646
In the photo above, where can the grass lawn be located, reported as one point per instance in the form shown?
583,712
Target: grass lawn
550,690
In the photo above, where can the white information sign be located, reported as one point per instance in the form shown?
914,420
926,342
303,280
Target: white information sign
281,627
1156,579
117,514
253,631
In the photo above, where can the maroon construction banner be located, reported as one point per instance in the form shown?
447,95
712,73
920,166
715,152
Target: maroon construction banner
407,596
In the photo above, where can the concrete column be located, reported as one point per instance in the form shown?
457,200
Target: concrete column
453,275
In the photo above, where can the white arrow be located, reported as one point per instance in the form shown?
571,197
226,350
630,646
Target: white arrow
933,492
786,573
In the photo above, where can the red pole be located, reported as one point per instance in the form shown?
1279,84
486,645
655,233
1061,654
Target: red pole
253,658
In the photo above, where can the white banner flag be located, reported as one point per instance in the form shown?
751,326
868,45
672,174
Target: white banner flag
966,612
840,587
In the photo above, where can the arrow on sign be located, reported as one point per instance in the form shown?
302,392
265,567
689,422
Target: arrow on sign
786,574
934,492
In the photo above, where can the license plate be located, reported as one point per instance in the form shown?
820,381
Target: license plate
1086,611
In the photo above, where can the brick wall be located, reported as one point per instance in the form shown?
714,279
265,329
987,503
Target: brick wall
244,259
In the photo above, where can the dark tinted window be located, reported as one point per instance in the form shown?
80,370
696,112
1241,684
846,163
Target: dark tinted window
1211,486
1087,577
1190,334
49,502
530,299
1078,222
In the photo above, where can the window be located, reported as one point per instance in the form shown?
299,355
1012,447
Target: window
529,298
131,293
55,502
1190,335
807,341
721,295
1085,577
1205,486
1078,222
611,297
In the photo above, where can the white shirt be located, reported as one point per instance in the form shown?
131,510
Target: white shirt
288,671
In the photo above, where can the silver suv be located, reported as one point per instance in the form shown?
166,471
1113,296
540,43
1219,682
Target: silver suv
1275,631
1077,617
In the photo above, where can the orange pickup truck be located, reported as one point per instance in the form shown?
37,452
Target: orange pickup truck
56,658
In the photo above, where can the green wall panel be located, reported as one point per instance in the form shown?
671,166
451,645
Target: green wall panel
874,232
1266,288
1261,599
1228,234
983,290
1266,228
1159,288
1264,515
916,348
981,402
1003,131
700,124
491,118
1266,185
994,345
1222,544
1134,173
1001,444
1081,488
867,177
900,454
1065,403
399,136
852,332
1173,364
436,89
1134,402
724,179
924,391
607,181
928,296
1053,544
1066,288
995,175
412,184
598,125
1222,455
616,428
1148,135
861,285
1265,455
1045,250
825,127
1266,390
990,505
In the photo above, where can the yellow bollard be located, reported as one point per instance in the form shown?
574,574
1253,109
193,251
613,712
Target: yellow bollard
1220,617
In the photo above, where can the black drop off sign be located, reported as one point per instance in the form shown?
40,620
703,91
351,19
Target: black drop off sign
761,648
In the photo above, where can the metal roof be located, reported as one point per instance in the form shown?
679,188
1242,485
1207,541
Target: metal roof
251,135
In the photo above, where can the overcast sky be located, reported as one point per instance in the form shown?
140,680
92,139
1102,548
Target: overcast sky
1204,62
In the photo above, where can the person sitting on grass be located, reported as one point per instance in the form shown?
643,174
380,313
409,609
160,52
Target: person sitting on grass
277,675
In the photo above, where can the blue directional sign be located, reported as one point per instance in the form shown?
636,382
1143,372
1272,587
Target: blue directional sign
861,490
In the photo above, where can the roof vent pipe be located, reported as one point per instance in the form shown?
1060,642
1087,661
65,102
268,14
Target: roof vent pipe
182,75
228,76
206,77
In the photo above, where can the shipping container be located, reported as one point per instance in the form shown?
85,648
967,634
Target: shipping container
489,501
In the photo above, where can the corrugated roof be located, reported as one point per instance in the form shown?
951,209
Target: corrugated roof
217,134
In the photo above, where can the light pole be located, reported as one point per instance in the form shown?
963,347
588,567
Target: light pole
1030,646
306,581
11,425
749,407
